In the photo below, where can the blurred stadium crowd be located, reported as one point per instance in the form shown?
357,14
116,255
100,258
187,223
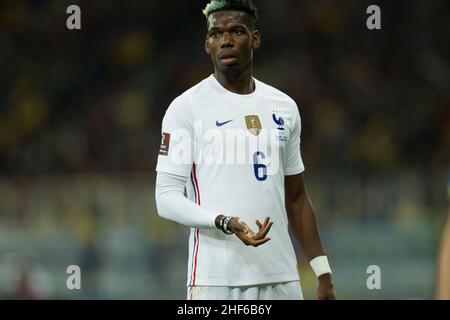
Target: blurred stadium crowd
93,100
80,116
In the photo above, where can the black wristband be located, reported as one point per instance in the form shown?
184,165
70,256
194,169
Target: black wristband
218,220
223,224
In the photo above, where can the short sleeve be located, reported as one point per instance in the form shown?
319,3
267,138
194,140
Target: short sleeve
176,151
293,160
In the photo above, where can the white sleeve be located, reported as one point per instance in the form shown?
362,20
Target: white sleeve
176,151
293,159
173,205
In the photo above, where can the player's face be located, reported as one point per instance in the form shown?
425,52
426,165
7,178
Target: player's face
230,41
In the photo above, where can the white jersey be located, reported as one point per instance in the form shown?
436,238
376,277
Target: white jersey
236,150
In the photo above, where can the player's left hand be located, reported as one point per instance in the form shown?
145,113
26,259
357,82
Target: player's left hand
326,289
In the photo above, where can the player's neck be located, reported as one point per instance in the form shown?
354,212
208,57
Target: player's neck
241,84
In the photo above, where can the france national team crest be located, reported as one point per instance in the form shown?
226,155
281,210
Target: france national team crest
253,124
279,121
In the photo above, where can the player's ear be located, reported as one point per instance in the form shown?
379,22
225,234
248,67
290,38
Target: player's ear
256,40
207,49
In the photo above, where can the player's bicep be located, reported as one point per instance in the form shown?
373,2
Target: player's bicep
293,186
293,160
176,150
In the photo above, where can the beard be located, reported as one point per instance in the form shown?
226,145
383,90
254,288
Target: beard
234,71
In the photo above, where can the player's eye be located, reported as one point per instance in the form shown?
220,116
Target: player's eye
238,32
214,34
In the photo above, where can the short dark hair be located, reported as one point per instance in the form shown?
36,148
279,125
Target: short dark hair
246,6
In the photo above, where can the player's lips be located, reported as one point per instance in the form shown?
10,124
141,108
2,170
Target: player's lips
228,58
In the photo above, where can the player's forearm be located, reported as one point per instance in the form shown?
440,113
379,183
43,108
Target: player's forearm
173,205
304,226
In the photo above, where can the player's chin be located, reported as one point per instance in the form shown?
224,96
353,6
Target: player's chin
230,69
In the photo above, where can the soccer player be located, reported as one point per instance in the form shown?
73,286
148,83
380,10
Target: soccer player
233,143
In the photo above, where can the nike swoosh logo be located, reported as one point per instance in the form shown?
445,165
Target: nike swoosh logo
219,124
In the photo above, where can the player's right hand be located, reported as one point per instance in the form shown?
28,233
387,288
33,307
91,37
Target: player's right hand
247,235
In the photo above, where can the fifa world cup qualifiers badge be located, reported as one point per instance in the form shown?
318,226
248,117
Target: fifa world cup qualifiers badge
165,141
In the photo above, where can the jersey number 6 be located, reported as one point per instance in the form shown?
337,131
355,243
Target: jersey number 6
259,169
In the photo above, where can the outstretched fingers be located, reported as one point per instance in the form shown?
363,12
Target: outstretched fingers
248,236
260,242
263,228
251,241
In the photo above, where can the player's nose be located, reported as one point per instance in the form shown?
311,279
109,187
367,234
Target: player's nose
227,41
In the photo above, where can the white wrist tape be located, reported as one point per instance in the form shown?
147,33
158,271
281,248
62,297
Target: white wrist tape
320,265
